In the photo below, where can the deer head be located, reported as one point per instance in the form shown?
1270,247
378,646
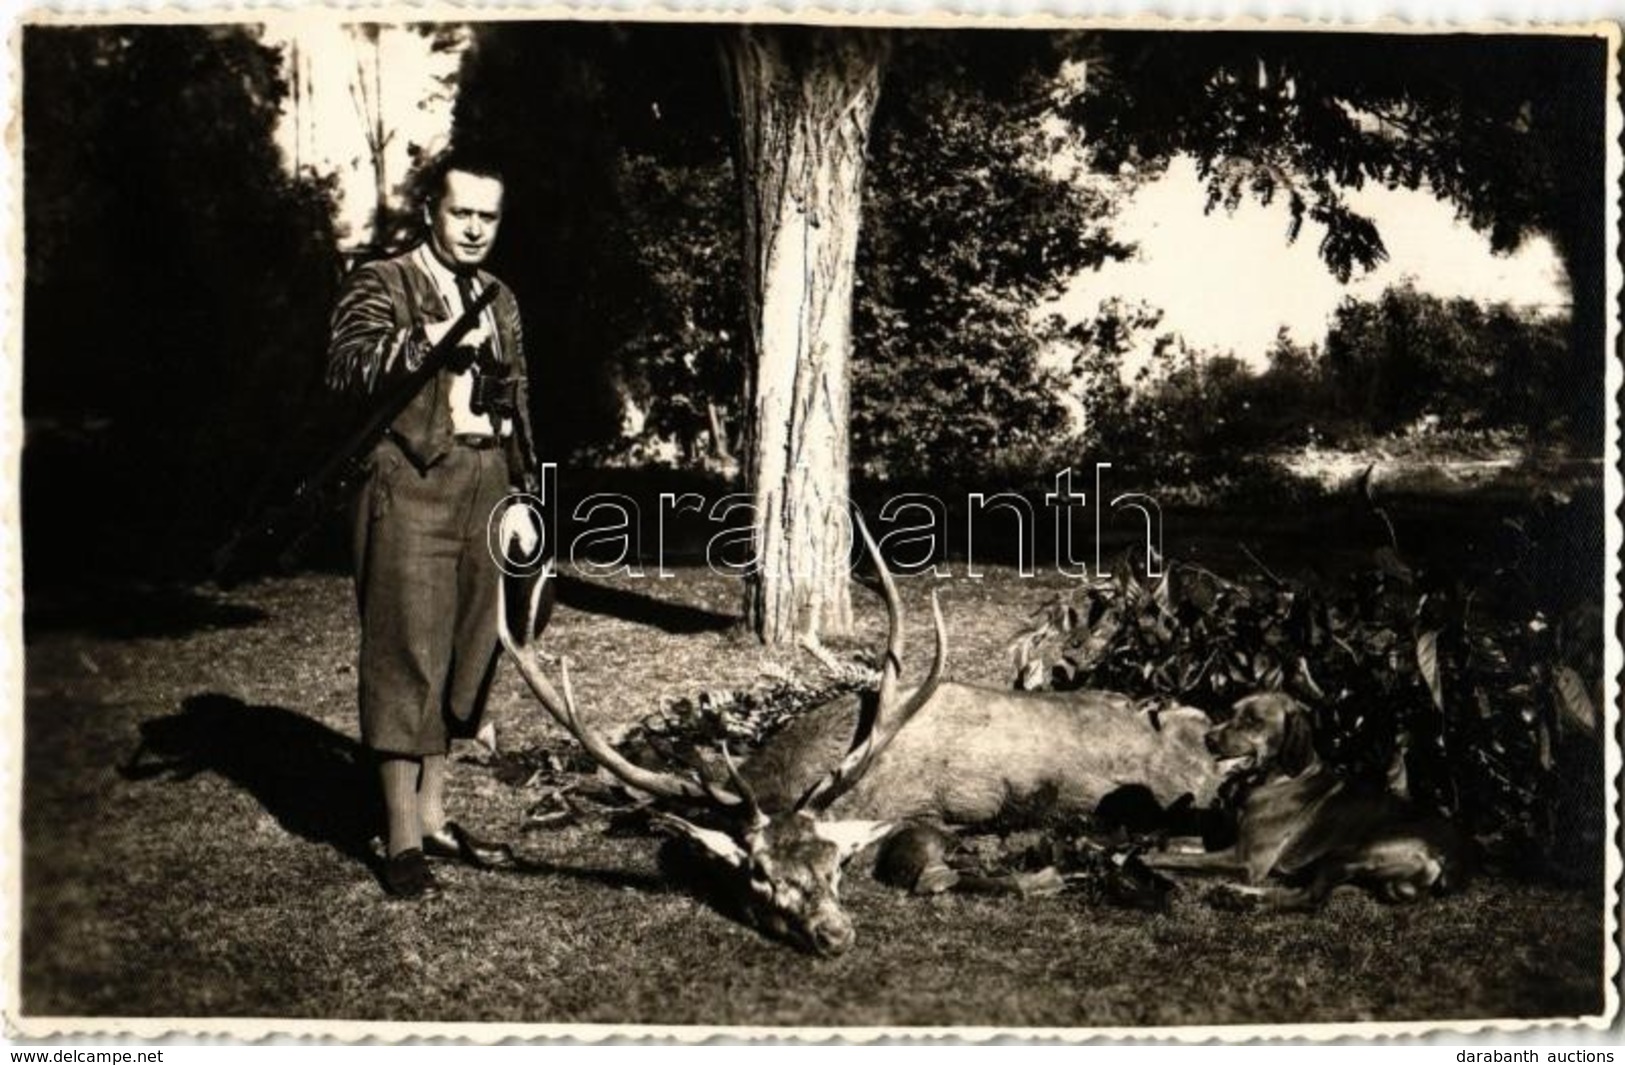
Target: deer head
787,864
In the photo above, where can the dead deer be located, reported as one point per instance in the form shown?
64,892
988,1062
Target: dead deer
975,751
790,858
972,751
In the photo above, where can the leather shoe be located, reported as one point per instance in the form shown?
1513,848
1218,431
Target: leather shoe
456,843
407,876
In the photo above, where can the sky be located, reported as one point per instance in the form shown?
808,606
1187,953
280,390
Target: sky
341,83
1225,282
1228,282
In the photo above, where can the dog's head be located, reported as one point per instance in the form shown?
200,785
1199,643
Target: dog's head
1268,732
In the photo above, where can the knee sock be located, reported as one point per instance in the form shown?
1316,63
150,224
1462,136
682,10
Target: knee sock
399,777
431,797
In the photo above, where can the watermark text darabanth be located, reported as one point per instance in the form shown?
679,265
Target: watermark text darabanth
608,533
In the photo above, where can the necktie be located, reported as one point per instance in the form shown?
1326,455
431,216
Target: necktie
465,289
466,293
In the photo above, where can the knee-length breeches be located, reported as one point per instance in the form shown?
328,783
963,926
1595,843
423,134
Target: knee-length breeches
427,589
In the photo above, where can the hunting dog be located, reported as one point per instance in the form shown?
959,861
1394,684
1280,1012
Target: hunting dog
1309,826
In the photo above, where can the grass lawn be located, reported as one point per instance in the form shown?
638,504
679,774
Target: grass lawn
221,872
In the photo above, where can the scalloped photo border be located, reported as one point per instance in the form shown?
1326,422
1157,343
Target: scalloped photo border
34,1028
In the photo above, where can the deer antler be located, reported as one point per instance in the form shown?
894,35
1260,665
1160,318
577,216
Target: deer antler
746,792
888,719
563,710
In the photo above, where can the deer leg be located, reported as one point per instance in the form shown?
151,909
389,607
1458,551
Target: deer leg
939,877
920,858
1225,861
1242,898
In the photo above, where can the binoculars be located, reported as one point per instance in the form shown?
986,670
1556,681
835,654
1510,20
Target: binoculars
495,392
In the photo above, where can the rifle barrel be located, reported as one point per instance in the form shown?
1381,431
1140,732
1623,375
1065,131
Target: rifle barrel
292,523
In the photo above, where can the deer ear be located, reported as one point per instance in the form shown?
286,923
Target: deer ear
718,844
850,837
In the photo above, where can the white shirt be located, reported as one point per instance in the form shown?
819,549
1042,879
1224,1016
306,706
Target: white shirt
463,419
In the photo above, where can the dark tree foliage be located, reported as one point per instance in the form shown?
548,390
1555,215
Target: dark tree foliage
1391,364
622,239
176,289
617,238
965,234
1407,355
1508,128
683,367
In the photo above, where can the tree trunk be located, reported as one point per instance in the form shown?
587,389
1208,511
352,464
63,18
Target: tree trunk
803,100
720,451
1583,252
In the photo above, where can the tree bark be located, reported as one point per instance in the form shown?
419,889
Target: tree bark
803,101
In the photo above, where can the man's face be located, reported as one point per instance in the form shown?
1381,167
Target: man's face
463,225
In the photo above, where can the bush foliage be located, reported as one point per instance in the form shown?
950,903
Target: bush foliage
968,229
1404,362
1476,694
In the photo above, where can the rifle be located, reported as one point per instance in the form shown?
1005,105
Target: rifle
292,524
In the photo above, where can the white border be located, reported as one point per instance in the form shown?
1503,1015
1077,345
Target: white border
1425,18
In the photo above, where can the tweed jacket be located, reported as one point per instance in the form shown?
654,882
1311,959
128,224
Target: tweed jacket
377,339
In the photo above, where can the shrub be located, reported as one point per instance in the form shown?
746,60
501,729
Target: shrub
1479,700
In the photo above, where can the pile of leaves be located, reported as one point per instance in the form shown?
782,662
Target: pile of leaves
1475,698
678,733
1073,858
685,732
1079,856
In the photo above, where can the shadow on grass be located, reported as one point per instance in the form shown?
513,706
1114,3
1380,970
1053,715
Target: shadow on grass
612,878
704,880
677,618
130,612
319,784
683,869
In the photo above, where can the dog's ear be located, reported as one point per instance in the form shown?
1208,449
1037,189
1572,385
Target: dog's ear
1297,751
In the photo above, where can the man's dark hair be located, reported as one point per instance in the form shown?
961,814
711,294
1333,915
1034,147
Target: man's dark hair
431,182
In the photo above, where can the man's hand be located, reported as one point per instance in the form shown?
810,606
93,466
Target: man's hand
436,332
467,348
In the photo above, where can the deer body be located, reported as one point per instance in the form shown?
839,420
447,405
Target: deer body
972,750
848,773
